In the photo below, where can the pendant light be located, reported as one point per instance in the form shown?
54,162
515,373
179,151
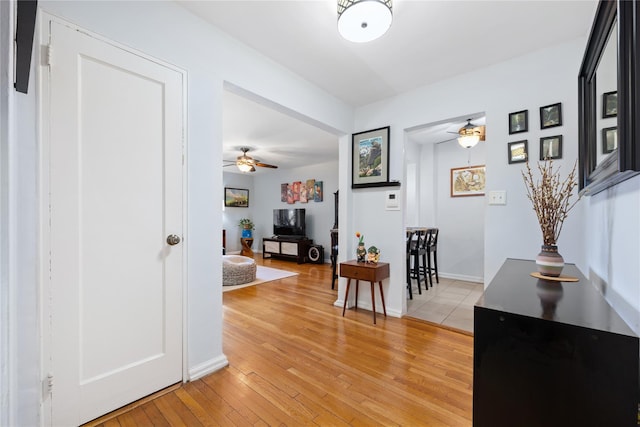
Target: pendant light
469,136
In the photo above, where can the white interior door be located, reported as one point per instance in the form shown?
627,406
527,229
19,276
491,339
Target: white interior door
115,166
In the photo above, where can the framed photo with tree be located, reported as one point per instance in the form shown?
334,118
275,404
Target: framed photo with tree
518,122
551,147
609,104
551,116
609,139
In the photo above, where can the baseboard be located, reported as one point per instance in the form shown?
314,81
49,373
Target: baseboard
367,306
208,367
462,277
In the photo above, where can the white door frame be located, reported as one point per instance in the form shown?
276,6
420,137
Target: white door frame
42,103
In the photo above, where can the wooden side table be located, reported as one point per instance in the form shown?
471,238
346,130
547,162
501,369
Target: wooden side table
365,271
246,246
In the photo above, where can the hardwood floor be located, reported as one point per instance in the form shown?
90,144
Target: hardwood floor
294,360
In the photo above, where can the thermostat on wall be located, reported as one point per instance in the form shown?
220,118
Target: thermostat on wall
392,201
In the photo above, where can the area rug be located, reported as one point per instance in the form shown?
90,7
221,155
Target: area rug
263,275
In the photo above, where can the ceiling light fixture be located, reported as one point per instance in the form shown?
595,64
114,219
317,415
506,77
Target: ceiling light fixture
244,167
470,135
361,21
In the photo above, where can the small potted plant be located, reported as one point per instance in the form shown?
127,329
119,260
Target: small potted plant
247,227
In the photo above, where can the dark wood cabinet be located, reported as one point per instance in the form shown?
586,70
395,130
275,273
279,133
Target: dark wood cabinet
286,248
551,354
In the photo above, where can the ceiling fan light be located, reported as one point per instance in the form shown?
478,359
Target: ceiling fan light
244,167
362,21
468,141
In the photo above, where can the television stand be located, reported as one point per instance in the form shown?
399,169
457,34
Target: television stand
286,247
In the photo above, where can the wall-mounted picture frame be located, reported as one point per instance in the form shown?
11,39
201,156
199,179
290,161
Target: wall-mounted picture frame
236,197
609,139
370,158
468,181
518,122
551,115
609,104
551,147
518,151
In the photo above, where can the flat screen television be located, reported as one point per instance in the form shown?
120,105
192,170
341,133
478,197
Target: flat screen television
289,222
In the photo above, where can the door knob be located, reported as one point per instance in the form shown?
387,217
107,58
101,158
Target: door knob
172,239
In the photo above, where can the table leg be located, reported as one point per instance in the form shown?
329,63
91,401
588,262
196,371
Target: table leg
346,296
382,298
373,301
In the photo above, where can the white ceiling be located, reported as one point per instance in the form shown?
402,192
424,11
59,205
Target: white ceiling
428,41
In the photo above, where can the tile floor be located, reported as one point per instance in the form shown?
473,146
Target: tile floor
448,303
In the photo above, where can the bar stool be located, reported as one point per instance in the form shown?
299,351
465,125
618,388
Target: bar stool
432,248
419,251
410,234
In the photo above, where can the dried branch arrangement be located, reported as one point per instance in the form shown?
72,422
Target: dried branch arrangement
550,198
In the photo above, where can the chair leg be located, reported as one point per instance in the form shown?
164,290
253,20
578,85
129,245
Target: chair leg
426,259
435,264
409,278
416,270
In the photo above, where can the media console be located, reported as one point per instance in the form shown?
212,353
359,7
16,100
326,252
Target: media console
286,248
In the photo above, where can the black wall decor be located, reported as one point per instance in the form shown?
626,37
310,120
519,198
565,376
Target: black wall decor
25,27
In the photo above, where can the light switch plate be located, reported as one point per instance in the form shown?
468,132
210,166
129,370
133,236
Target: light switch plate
497,197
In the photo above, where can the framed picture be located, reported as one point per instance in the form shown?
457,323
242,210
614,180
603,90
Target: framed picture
468,181
518,122
609,139
551,116
551,147
518,151
370,164
236,197
609,104
283,192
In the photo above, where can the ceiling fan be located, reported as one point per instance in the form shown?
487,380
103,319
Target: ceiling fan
247,163
468,135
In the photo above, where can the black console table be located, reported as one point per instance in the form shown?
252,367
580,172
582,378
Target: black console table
286,248
551,354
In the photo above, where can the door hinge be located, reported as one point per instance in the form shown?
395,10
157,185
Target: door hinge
47,54
47,384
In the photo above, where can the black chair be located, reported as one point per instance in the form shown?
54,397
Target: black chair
432,248
419,251
334,257
410,234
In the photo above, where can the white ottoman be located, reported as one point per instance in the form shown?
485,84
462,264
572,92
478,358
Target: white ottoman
237,270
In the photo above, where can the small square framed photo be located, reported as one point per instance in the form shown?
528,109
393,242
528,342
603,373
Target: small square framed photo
551,116
609,139
518,151
609,104
551,147
518,122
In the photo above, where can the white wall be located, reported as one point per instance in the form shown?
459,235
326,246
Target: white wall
231,216
460,220
170,33
612,245
528,82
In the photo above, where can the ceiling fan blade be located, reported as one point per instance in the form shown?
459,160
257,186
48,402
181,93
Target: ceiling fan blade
266,165
446,140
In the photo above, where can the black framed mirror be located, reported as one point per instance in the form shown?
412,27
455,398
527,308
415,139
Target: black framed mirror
607,158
